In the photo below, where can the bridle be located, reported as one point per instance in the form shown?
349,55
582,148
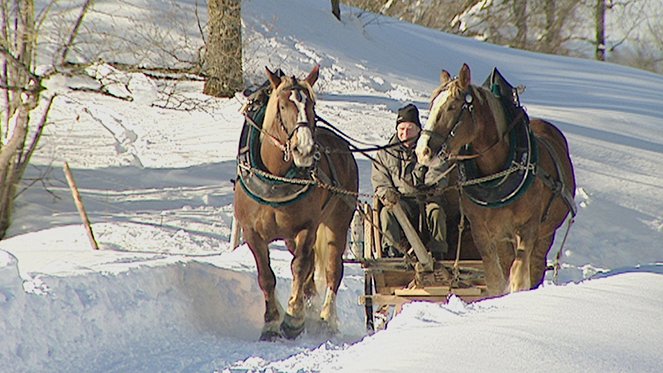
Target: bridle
302,122
468,107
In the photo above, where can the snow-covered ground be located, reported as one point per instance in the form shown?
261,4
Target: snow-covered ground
166,293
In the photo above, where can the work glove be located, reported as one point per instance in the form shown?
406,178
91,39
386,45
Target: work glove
390,197
419,177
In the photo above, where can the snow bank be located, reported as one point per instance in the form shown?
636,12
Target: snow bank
69,321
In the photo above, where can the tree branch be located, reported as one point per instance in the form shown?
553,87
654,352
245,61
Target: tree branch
74,32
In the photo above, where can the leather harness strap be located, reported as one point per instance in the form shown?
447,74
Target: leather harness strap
557,186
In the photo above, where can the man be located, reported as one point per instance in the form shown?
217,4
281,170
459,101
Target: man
397,178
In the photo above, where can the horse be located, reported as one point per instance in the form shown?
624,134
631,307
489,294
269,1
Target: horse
314,222
516,179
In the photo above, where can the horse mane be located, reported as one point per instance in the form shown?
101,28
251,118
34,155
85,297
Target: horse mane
272,109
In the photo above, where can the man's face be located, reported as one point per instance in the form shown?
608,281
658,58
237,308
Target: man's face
407,132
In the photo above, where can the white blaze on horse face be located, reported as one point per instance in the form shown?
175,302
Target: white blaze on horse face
424,153
303,153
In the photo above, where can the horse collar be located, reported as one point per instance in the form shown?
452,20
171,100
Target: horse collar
255,180
504,190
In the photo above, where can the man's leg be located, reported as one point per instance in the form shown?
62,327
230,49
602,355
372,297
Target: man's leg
437,223
391,233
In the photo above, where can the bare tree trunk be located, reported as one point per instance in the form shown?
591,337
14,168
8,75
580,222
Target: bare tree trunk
550,31
599,53
336,9
520,15
21,95
223,57
9,164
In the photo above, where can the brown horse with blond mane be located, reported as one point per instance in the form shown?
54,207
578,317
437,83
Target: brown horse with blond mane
516,178
314,222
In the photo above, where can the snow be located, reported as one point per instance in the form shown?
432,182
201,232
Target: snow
166,292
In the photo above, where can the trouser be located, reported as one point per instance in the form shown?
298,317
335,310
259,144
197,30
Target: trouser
393,234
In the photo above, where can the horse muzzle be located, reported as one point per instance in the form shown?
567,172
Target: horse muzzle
303,150
423,155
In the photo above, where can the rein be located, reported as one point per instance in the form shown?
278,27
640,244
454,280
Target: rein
350,139
284,147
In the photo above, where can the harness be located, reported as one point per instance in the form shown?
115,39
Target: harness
522,164
257,185
262,186
519,167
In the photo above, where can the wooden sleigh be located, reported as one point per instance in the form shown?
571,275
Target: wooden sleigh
392,282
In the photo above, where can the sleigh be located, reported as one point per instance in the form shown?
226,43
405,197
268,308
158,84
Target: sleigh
391,282
537,187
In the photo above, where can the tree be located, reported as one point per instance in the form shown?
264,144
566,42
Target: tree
223,56
519,8
599,53
21,93
336,9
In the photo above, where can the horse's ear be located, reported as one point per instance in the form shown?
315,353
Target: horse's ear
445,77
464,76
313,75
274,79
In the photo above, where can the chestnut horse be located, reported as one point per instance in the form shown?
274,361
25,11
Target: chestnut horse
513,228
314,225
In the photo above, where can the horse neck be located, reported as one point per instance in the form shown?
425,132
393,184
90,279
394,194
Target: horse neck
271,154
490,143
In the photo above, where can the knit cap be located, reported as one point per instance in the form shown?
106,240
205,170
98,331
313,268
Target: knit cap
408,113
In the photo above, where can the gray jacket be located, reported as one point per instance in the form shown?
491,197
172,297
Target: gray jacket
393,168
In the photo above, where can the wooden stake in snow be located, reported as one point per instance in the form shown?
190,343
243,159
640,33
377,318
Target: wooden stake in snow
79,206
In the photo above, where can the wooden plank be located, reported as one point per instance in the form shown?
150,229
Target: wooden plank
357,243
473,291
476,264
395,300
378,279
398,300
423,256
368,231
428,291
377,235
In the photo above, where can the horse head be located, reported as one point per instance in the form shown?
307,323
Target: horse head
451,123
291,108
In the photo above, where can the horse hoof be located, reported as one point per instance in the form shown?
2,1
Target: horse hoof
269,336
291,328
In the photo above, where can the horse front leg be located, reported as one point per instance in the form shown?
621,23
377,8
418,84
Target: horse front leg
302,267
332,260
539,260
488,248
267,283
519,275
